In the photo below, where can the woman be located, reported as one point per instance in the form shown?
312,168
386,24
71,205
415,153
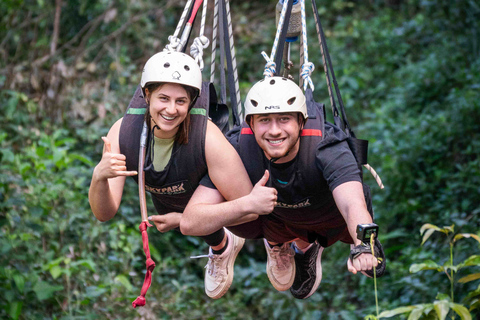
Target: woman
182,147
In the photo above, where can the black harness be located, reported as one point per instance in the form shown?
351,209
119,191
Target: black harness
172,187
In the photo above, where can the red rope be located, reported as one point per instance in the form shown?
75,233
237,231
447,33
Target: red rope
140,301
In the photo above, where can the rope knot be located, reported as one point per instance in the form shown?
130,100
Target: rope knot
270,66
150,264
307,69
139,302
174,43
196,49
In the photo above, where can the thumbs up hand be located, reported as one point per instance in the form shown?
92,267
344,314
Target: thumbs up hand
112,164
263,199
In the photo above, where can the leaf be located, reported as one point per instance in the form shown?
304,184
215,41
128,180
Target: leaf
56,271
44,290
428,226
123,281
469,278
394,312
15,309
461,311
466,235
472,261
7,156
427,235
441,308
85,263
427,265
416,314
19,282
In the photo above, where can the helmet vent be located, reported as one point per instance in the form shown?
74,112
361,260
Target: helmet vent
186,67
272,81
291,101
254,103
166,65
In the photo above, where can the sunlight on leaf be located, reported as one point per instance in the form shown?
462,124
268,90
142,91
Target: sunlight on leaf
428,226
427,265
394,312
466,235
469,278
472,261
416,314
461,311
427,235
441,308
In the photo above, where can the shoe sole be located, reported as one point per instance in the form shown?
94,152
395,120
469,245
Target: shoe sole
319,272
237,246
278,286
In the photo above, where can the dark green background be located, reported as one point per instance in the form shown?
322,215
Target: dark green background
409,73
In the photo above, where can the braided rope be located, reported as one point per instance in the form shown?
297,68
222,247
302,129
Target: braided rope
307,67
214,42
270,66
234,59
173,39
201,42
375,175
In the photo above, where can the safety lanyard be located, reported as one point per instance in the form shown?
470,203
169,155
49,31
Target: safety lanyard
222,25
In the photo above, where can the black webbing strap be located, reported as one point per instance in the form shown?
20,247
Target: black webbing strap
282,38
359,147
221,31
330,73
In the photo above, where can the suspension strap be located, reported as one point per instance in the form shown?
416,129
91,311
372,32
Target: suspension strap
359,147
222,26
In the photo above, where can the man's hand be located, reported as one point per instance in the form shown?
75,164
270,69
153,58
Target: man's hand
364,262
263,199
166,222
112,165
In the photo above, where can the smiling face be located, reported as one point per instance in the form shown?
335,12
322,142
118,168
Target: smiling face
277,134
168,108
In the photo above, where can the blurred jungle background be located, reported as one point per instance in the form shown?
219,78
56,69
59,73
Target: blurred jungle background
409,74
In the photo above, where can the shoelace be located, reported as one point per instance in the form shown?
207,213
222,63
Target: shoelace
213,262
281,255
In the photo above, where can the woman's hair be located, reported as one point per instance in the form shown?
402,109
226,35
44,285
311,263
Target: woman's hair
183,129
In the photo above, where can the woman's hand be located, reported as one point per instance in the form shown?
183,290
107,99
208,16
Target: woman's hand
111,165
166,222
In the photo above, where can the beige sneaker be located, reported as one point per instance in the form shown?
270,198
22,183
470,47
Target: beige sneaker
219,273
280,265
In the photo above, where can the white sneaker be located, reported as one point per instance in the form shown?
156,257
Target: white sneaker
280,266
219,273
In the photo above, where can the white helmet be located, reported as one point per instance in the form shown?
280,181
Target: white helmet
172,67
275,95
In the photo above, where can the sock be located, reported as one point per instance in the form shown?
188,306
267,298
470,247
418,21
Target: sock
304,249
221,250
274,245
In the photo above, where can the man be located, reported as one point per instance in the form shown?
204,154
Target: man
320,196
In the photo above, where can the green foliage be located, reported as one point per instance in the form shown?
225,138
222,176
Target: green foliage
443,304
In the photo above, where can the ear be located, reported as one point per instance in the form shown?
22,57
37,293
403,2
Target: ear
147,93
301,121
249,121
